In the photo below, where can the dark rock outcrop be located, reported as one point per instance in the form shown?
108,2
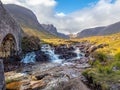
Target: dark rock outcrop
65,52
53,30
41,56
50,28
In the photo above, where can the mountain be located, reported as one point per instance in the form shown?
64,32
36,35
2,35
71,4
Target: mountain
63,35
29,23
99,31
50,28
24,16
111,29
53,30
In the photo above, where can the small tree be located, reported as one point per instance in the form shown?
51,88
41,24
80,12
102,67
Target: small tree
30,43
102,57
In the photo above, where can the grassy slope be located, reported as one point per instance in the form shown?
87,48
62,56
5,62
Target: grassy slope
102,73
45,37
113,41
40,34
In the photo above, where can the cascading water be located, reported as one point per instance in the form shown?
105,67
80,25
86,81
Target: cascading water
29,58
77,51
50,51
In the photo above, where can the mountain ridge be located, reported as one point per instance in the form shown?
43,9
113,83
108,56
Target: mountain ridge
100,31
53,30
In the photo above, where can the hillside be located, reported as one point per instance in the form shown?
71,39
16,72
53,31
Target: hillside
28,21
112,40
105,62
99,31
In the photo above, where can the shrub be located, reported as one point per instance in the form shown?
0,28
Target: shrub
30,43
96,63
105,69
102,57
116,64
117,56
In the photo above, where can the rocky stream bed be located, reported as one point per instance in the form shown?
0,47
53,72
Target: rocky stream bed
48,76
63,70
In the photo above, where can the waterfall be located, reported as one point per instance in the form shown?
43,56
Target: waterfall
29,58
78,53
50,51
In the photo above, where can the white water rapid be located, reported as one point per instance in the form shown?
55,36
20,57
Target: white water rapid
29,58
78,53
50,51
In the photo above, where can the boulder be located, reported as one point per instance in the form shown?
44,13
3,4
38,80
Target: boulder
41,56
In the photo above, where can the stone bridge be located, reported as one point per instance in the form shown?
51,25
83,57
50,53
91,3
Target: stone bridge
10,34
10,40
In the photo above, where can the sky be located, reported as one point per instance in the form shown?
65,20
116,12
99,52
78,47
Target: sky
72,16
68,6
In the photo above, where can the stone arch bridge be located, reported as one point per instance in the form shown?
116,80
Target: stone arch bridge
10,34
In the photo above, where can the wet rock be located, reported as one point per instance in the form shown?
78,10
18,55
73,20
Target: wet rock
41,56
32,85
25,85
35,85
13,86
94,48
69,55
39,77
57,83
75,84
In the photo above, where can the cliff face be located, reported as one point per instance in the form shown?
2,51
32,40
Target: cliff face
53,30
50,28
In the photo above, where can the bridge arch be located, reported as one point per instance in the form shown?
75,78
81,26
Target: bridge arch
8,46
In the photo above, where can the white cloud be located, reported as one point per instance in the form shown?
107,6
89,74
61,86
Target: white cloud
102,13
41,2
11,1
61,14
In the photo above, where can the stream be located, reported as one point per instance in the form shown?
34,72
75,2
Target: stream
50,52
56,74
